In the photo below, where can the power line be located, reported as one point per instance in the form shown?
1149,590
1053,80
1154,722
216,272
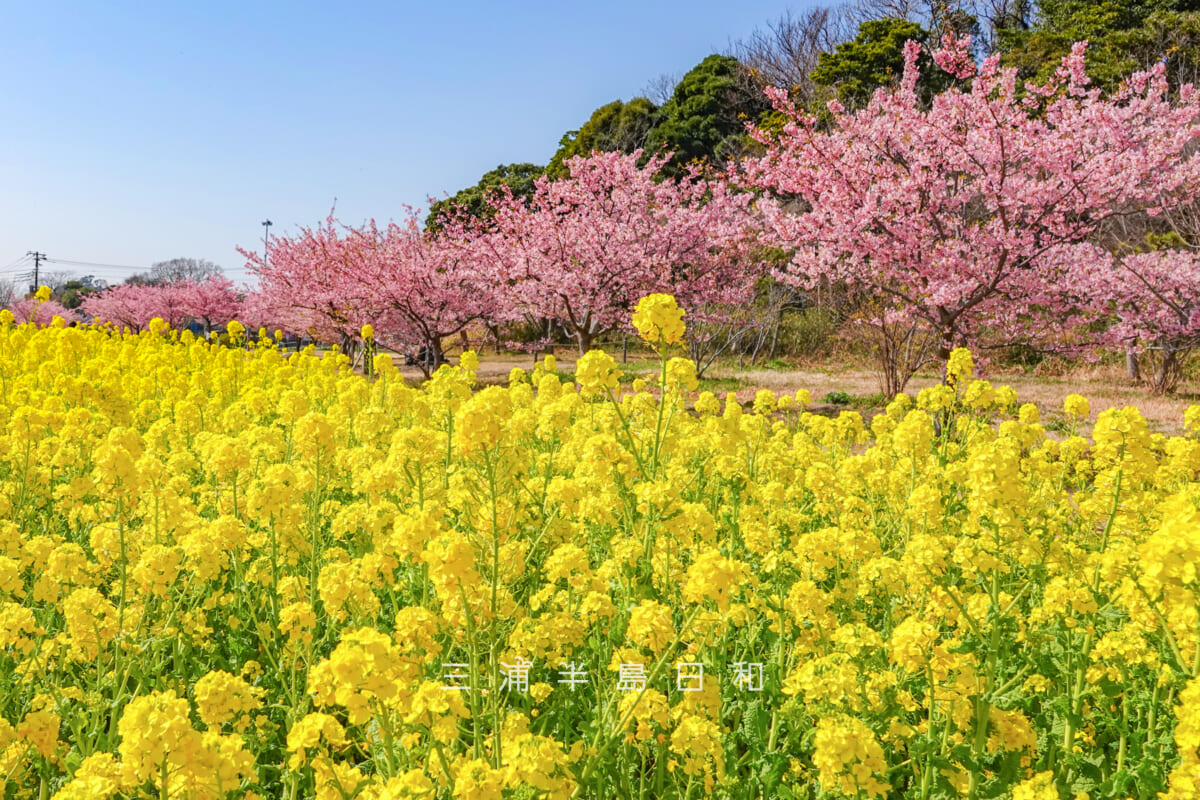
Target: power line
97,265
94,264
117,272
15,263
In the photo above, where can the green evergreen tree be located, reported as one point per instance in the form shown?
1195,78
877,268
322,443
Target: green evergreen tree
1122,37
705,120
875,58
519,178
617,126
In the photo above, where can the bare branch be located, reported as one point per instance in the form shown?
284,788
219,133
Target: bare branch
785,51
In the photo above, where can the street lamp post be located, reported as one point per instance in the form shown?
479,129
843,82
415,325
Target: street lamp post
266,238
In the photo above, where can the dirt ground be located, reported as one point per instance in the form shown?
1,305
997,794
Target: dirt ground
1104,387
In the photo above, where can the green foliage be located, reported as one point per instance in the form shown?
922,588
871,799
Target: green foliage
1164,241
1022,355
837,399
1122,37
1087,18
519,178
617,126
808,332
874,59
72,293
705,120
721,384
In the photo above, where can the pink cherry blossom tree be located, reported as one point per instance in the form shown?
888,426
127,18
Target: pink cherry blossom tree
133,306
28,309
1154,297
965,214
298,288
427,285
586,248
210,301
414,288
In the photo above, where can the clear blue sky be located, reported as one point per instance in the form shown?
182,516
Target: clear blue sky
136,132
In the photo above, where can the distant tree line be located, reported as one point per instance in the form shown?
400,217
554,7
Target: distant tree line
845,53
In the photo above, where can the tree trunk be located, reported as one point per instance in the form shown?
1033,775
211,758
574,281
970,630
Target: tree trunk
1132,369
585,340
430,356
1169,372
890,383
948,331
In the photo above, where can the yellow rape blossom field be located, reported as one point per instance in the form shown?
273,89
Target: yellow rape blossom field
233,572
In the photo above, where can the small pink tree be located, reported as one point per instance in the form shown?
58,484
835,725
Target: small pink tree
299,289
1155,297
424,286
414,288
587,247
211,301
133,306
965,213
41,313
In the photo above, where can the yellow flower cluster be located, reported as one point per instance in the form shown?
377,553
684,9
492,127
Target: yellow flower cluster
235,572
659,319
849,759
1076,405
597,373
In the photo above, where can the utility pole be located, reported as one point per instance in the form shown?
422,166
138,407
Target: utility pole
37,263
266,238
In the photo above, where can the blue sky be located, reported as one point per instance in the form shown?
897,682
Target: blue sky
139,132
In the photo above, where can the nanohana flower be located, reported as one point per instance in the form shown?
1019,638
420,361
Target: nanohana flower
382,364
960,367
221,697
596,372
681,373
849,759
1076,405
469,361
659,319
256,535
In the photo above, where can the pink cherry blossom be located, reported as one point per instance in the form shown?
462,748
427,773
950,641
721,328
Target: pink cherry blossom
30,310
971,213
586,248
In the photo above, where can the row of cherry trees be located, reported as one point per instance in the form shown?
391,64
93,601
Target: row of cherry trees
987,211
210,302
999,212
579,254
